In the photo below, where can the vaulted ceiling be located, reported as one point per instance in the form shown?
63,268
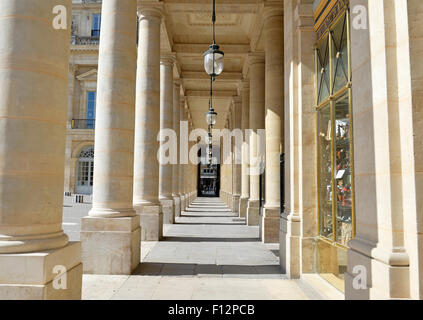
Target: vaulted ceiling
187,31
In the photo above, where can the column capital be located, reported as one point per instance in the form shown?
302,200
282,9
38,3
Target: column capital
149,9
168,59
177,82
255,58
273,8
236,100
245,84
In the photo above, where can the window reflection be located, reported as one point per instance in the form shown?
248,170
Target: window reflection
325,172
323,80
343,175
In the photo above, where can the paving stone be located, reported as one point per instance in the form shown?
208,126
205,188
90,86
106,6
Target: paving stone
208,254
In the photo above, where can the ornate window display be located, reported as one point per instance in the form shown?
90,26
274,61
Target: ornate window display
335,148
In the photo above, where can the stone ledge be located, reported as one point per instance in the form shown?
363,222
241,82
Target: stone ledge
110,224
46,291
115,250
37,268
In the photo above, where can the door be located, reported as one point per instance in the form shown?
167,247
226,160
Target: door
85,171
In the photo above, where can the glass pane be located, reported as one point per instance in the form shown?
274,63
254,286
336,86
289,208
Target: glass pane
91,173
323,79
340,55
343,175
325,172
95,31
83,173
91,106
332,263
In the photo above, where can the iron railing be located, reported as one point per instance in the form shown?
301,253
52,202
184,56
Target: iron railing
84,41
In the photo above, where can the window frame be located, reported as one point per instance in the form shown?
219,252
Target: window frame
331,100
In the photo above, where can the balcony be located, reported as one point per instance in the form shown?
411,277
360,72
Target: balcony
91,1
85,41
84,124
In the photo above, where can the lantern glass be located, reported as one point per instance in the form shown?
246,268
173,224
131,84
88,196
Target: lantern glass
211,118
214,61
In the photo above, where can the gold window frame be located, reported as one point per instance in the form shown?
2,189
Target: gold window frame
331,101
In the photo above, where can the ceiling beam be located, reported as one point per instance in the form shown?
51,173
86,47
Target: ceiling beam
219,94
224,6
199,75
185,48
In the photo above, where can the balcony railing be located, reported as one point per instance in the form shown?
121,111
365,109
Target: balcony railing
91,1
83,123
84,41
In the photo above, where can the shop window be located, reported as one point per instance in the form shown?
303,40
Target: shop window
335,149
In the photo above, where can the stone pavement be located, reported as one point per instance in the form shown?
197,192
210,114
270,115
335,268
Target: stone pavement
208,254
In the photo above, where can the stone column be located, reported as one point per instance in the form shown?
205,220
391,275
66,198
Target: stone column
273,31
182,143
257,97
414,220
385,189
166,123
298,228
237,142
186,175
33,112
176,127
245,121
112,220
147,125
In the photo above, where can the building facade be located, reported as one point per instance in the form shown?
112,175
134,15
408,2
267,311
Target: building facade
328,96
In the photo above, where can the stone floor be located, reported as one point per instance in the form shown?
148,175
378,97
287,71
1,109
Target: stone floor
208,254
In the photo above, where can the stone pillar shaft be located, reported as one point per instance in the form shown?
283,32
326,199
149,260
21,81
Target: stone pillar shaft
176,167
245,121
383,152
257,100
237,142
166,123
33,114
298,221
114,149
181,156
274,38
147,124
114,132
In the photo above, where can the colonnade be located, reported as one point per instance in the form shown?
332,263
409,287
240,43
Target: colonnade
258,112
133,194
151,191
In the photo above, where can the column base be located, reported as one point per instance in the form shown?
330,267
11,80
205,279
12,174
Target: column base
31,276
182,197
186,203
243,205
253,213
177,202
290,250
168,209
235,203
110,246
271,225
387,275
151,219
